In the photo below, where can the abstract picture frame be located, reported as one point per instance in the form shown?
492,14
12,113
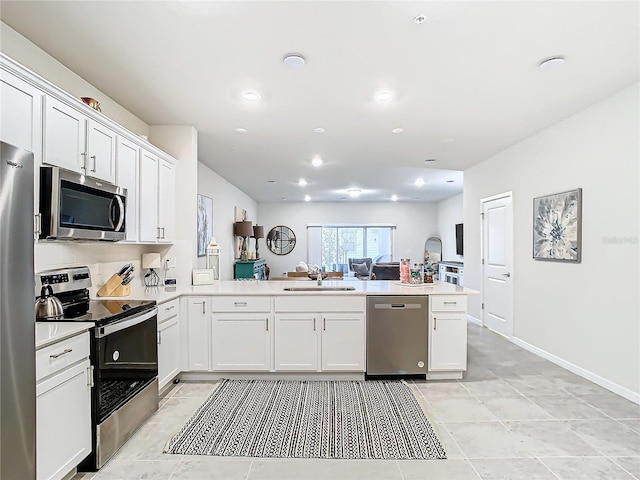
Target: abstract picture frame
205,223
557,227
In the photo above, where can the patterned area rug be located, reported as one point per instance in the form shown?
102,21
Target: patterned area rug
309,419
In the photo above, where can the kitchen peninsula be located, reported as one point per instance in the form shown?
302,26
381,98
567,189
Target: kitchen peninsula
293,329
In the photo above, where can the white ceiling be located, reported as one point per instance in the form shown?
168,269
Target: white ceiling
466,82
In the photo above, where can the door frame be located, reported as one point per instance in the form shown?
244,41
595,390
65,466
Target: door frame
484,200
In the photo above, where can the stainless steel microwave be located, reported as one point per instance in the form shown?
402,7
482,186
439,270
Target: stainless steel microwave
76,207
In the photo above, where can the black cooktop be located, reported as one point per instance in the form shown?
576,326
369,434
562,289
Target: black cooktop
103,312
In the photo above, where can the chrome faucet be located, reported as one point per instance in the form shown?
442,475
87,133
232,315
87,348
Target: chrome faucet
320,278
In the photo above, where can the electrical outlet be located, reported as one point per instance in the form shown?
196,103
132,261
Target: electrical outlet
169,263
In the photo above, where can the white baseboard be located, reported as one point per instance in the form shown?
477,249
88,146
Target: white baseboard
475,320
597,379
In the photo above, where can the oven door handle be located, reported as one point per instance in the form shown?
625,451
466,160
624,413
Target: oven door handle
121,325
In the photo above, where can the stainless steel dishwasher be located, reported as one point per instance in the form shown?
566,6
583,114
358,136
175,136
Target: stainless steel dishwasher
397,329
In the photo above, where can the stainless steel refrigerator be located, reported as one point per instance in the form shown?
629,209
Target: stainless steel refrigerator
17,316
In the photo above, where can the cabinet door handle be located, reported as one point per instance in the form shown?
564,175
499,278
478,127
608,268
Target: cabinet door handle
158,233
162,232
90,375
159,338
240,304
56,355
314,324
450,303
84,161
37,224
267,323
324,323
203,307
169,308
94,163
435,323
508,274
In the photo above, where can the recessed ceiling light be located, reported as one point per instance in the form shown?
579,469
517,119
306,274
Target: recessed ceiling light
430,160
420,19
354,192
551,63
449,181
318,130
307,198
397,130
302,182
419,182
251,96
316,161
394,198
293,60
384,96
241,130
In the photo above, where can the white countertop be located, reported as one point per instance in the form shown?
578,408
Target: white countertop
52,332
275,287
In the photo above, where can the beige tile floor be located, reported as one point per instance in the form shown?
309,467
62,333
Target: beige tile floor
514,416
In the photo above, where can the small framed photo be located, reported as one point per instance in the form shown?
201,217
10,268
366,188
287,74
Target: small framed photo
557,227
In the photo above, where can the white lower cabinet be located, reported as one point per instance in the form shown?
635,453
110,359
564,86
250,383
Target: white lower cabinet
198,333
296,341
331,338
447,333
168,343
241,333
63,407
343,342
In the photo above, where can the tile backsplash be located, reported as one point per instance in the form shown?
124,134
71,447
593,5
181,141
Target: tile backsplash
103,259
106,258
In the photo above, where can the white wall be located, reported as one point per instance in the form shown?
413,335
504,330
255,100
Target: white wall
586,314
415,223
450,213
225,197
31,56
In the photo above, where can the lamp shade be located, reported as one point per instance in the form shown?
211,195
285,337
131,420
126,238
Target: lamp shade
258,231
244,229
151,260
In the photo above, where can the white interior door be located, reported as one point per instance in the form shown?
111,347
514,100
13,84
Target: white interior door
497,263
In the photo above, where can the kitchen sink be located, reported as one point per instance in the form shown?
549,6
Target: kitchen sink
319,288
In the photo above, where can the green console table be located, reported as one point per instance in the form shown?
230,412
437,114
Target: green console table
250,269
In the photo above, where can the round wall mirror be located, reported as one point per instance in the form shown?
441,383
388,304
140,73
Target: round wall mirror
281,240
432,251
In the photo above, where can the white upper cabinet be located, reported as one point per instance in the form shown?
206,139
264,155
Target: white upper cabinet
64,136
101,150
21,114
148,198
127,168
78,143
166,201
157,199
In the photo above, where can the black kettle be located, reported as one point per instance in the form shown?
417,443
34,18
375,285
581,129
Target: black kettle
48,307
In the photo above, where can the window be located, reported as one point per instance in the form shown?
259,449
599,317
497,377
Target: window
331,246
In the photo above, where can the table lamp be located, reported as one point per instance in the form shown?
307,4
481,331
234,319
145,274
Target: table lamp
258,232
244,229
151,261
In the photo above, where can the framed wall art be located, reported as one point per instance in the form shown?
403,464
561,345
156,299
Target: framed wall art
557,227
205,223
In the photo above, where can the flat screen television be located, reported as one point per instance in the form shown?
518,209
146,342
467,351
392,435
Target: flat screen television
459,239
